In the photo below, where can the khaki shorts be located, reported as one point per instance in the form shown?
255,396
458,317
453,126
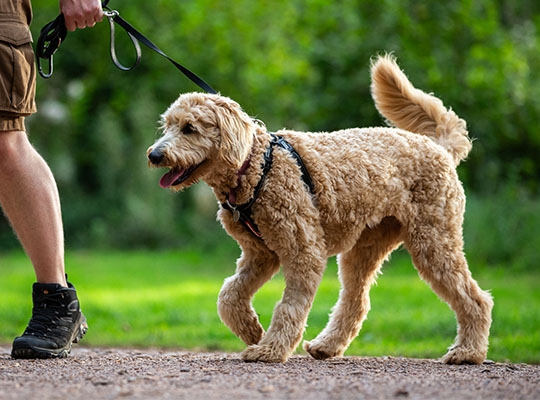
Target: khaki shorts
17,75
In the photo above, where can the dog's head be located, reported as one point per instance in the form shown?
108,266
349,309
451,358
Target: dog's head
203,135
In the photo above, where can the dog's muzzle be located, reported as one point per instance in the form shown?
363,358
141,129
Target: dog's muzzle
155,156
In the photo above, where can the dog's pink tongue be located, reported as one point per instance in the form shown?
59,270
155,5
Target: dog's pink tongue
170,177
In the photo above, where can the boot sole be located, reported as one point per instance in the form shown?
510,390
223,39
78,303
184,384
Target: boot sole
30,351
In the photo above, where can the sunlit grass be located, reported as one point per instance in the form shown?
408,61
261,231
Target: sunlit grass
168,299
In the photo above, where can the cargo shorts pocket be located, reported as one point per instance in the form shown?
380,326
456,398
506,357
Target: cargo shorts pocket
17,78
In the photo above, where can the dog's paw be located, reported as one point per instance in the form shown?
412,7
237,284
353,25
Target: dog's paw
462,355
251,334
320,351
264,353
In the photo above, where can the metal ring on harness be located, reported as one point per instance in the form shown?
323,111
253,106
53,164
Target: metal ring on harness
111,15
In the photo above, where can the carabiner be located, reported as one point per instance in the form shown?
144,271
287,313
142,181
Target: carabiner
50,38
45,75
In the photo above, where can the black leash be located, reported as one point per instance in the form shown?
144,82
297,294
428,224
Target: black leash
55,32
49,40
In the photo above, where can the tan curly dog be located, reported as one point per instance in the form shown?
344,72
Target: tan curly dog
294,199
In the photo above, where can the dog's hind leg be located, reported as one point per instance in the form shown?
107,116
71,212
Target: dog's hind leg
234,302
436,247
357,272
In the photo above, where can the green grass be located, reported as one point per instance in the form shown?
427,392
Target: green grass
168,299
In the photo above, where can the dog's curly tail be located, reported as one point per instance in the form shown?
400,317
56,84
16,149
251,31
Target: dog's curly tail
413,110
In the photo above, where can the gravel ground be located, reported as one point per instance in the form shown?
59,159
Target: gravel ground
97,373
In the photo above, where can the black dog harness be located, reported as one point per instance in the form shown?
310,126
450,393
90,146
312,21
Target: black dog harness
242,212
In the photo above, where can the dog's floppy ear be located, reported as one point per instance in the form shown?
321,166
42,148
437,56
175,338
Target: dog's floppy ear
237,130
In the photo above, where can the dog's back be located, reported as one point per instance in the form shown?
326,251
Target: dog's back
413,110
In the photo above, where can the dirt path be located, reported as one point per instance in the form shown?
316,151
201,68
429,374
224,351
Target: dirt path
155,374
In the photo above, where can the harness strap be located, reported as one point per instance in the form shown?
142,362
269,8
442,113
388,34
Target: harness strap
242,213
281,142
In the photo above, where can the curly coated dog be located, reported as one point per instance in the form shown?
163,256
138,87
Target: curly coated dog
293,199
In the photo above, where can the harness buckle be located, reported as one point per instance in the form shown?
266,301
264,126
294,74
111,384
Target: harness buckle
234,210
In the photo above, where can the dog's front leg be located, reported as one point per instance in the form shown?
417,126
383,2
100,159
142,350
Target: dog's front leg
302,278
234,302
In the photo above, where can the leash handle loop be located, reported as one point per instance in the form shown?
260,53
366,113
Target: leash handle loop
138,36
111,15
52,35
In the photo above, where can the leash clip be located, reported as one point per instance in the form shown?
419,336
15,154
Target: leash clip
44,74
50,38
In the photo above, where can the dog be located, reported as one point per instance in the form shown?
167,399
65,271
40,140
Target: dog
293,199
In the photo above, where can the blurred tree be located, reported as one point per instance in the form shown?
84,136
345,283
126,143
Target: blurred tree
296,63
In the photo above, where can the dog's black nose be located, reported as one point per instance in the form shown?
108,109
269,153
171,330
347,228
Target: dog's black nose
155,156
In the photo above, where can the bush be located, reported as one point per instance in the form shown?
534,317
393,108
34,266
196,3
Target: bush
503,229
297,65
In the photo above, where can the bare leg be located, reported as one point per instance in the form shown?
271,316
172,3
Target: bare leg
29,198
357,272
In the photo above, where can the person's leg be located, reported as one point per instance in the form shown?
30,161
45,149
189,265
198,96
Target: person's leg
30,201
29,196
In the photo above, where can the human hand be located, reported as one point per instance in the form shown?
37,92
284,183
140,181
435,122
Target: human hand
79,14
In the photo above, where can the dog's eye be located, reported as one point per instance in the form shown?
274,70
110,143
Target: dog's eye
188,129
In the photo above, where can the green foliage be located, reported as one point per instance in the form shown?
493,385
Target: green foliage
503,230
297,64
168,299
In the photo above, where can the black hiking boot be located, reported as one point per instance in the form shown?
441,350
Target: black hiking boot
56,323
